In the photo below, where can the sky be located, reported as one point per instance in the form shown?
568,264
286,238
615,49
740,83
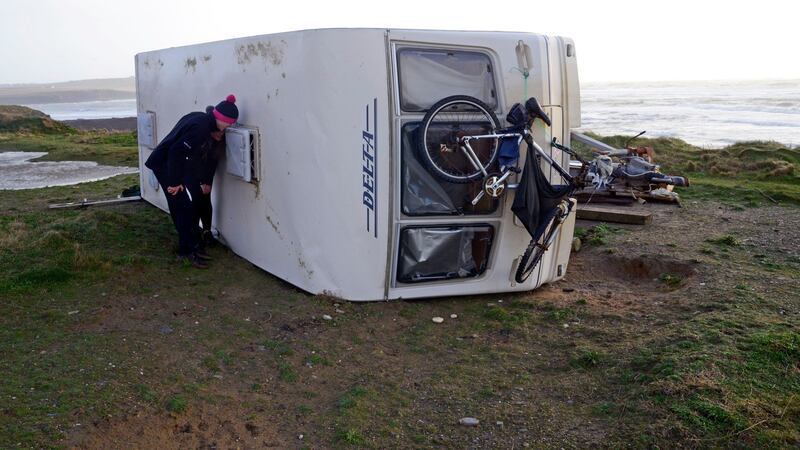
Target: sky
58,40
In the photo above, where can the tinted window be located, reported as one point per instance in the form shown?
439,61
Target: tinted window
422,194
443,252
427,76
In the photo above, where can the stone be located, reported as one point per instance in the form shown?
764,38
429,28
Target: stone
469,421
438,320
326,317
454,316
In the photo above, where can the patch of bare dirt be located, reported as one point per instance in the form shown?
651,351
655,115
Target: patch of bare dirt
201,427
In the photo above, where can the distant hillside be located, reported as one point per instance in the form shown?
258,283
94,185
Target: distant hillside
20,118
68,92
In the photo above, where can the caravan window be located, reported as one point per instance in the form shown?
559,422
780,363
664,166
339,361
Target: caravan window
431,253
422,194
429,75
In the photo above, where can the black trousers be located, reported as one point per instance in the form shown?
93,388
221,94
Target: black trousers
183,214
202,205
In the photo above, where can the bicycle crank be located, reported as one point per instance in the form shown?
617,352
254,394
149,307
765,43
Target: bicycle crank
494,186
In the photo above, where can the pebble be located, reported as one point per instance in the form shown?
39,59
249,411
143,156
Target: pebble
300,437
469,421
454,316
499,423
438,320
340,311
326,317
566,325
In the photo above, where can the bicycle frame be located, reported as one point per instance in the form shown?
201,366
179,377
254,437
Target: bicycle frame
527,136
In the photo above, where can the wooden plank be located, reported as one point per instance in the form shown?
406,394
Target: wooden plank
86,202
615,215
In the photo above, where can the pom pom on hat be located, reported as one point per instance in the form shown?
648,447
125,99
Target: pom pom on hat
226,111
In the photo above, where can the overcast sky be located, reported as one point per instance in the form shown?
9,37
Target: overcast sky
59,40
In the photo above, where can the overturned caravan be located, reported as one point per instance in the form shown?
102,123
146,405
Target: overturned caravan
322,183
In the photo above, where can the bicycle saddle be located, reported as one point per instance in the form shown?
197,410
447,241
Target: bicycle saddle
535,110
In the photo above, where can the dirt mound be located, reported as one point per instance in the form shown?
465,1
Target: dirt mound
15,118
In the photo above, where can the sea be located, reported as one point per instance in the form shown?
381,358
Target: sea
710,114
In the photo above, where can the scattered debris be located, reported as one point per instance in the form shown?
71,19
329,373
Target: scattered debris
469,421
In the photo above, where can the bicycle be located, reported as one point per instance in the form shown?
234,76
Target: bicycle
460,139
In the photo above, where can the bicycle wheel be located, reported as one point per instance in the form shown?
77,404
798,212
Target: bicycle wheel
533,254
440,132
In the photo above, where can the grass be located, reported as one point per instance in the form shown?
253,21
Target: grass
100,146
86,291
587,359
597,235
726,241
745,174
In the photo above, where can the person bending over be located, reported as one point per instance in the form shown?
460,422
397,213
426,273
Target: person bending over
171,162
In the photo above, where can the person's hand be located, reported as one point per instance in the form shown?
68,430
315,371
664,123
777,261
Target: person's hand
206,188
173,190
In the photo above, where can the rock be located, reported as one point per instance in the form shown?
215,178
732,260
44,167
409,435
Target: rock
454,316
340,311
438,320
576,244
326,317
469,421
499,423
566,325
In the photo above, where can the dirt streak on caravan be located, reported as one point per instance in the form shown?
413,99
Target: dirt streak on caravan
307,100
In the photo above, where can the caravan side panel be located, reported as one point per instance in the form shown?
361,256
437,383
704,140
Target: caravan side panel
316,215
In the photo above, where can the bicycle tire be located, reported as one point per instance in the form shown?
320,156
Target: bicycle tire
534,253
445,122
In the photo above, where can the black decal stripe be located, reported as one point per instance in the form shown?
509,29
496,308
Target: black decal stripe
375,169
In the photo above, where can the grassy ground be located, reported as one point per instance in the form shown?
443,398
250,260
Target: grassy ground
683,333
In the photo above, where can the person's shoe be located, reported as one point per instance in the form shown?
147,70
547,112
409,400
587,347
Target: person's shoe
208,238
192,260
202,255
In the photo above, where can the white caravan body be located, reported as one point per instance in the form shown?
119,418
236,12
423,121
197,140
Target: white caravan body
319,186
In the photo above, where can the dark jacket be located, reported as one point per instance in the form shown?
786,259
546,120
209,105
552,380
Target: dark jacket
201,170
174,154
